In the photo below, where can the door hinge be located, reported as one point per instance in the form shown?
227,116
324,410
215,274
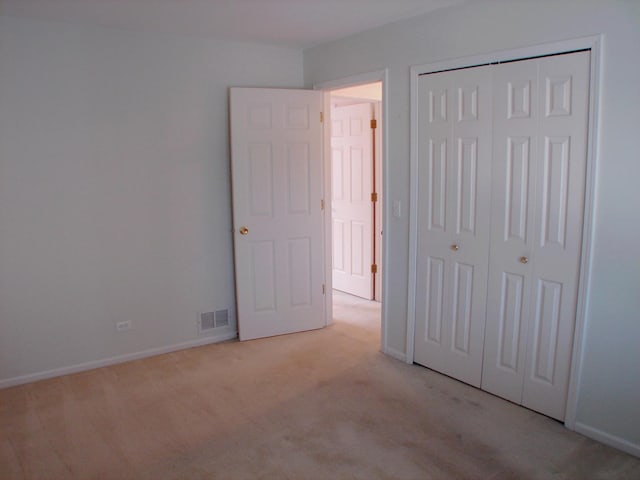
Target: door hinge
374,197
374,268
323,289
322,204
374,124
321,117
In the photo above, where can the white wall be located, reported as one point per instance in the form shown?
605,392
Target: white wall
609,391
114,188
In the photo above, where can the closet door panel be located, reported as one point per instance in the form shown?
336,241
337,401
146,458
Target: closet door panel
539,135
469,236
454,182
560,187
432,304
514,169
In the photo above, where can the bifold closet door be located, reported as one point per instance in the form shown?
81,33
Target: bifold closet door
539,144
453,230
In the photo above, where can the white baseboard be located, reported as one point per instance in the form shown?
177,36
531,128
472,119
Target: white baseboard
608,439
56,372
398,355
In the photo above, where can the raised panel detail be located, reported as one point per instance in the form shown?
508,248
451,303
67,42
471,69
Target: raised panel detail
337,172
466,185
356,164
467,104
437,165
337,128
338,245
263,265
300,274
259,116
510,320
355,126
519,99
434,299
547,319
558,96
260,179
357,247
298,178
555,185
297,116
461,311
438,106
516,189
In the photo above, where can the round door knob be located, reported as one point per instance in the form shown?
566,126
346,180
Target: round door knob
244,230
524,260
455,247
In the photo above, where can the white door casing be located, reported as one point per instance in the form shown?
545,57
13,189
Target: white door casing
454,166
276,161
540,139
351,207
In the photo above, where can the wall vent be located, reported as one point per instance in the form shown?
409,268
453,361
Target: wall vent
210,320
207,321
222,318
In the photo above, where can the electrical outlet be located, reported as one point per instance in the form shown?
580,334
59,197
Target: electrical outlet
123,326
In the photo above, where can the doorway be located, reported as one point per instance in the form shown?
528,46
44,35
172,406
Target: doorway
355,186
356,203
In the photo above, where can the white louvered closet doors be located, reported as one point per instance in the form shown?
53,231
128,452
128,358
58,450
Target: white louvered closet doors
502,161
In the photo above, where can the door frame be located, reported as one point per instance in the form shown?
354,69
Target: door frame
351,81
592,43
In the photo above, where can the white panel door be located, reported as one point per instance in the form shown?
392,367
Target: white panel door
514,165
540,137
351,206
276,141
453,233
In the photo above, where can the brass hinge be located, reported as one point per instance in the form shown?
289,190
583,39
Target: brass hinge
321,117
374,197
374,124
374,268
322,204
323,289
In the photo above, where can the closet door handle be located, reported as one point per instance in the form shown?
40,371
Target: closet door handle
524,260
455,247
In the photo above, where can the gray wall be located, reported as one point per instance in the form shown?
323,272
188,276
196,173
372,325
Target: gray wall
609,392
114,188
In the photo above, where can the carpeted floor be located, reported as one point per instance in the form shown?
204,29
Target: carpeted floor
316,405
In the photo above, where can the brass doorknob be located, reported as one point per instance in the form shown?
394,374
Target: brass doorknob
244,230
524,260
455,247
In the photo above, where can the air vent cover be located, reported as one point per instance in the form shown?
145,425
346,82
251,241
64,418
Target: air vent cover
222,318
207,321
212,320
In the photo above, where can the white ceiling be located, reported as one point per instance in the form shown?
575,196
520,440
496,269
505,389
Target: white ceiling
292,23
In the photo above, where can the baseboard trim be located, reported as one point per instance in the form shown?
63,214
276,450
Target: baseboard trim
608,439
105,362
398,355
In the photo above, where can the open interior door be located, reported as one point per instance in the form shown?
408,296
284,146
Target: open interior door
276,163
352,207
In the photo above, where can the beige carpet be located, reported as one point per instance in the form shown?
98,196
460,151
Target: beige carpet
316,405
